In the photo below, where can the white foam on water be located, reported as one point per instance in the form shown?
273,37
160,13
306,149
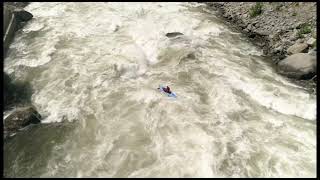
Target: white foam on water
103,63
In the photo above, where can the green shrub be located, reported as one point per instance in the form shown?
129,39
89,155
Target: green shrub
304,29
256,9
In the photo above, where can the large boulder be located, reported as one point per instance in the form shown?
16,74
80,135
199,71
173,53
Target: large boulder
22,15
20,118
298,48
299,66
14,18
311,41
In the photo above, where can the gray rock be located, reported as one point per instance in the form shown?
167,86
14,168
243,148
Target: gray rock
14,19
311,41
263,32
18,119
21,117
300,41
298,25
313,52
23,15
278,49
299,66
275,36
254,22
173,34
277,44
297,48
242,25
294,36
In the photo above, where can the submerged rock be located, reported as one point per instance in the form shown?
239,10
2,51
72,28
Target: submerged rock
173,34
300,66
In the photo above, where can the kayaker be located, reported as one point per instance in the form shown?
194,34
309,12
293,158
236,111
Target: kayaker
167,89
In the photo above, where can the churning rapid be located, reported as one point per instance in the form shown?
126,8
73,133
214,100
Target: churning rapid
98,65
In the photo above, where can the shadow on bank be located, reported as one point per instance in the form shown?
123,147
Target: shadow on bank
15,93
17,101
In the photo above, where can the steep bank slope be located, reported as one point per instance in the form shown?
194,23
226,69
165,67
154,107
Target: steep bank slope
281,29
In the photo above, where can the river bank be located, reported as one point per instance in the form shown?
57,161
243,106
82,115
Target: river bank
285,31
15,17
20,112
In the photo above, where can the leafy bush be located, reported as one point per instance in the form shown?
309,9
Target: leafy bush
256,9
304,29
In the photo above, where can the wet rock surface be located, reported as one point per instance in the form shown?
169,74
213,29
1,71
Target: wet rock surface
20,118
14,18
173,34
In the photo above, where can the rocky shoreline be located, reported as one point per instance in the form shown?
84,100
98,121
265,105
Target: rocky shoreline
14,18
16,94
286,31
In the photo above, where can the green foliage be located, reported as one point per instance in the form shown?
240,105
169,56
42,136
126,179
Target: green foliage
299,35
256,9
303,29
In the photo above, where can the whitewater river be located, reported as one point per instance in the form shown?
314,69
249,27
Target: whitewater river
97,66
